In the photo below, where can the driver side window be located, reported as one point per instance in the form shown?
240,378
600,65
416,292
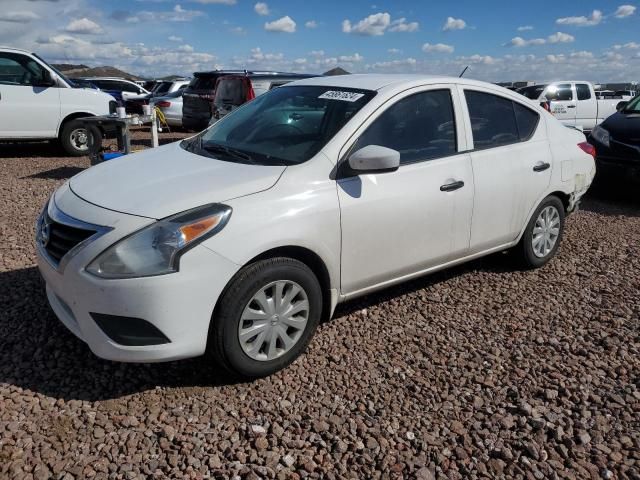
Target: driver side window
16,69
421,127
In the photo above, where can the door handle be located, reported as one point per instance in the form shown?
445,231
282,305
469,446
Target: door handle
541,167
571,106
450,187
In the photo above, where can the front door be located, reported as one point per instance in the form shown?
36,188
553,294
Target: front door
400,223
563,102
26,110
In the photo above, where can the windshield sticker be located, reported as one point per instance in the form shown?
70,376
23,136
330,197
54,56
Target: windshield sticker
342,96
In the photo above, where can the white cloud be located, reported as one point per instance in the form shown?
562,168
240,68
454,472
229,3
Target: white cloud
174,38
525,28
284,24
373,25
594,19
185,48
401,25
630,46
84,26
624,11
482,59
560,37
394,65
317,53
261,8
300,61
356,57
18,16
521,42
581,54
454,24
311,24
438,48
377,24
394,51
178,14
221,2
238,30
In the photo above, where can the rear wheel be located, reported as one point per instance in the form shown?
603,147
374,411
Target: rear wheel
266,317
75,137
543,234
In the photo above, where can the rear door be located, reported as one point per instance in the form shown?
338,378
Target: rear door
586,107
511,166
563,102
26,110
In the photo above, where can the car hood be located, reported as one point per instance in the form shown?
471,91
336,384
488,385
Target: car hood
624,127
163,181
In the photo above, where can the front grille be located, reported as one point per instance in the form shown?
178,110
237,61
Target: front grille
63,238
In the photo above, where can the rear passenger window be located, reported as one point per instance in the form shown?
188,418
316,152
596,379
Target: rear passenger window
583,91
420,127
527,121
493,120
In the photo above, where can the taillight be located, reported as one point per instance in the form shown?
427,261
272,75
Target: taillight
163,104
586,147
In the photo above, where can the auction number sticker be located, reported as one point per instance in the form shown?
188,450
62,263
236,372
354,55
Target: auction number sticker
342,96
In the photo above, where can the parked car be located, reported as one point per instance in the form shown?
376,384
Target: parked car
238,240
37,102
574,103
168,86
617,141
80,83
231,91
121,89
171,107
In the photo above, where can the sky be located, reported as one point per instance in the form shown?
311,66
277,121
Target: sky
499,40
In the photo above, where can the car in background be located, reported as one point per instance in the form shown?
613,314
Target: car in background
617,141
80,83
120,88
171,107
239,240
198,98
38,102
231,91
574,103
165,87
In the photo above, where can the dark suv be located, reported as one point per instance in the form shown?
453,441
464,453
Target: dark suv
197,99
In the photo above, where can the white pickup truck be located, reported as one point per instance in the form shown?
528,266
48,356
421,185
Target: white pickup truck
574,103
37,103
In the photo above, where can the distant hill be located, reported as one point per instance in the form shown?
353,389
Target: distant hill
336,71
76,71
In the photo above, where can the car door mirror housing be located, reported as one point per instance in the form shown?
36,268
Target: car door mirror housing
374,159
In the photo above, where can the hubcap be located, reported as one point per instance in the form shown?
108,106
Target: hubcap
546,231
274,320
79,139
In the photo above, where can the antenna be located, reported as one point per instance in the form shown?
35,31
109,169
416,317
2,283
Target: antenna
463,71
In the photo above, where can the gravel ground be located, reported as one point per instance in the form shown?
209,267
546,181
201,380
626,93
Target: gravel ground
480,371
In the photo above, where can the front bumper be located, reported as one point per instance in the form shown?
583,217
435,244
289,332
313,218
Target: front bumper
179,305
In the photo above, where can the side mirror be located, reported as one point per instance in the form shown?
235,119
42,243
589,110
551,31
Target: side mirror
374,159
46,80
621,105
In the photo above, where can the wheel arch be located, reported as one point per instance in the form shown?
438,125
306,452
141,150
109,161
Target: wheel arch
564,197
72,116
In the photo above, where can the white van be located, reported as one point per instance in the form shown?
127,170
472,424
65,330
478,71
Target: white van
37,102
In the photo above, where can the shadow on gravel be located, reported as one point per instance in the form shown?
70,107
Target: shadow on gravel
613,195
30,150
39,354
60,173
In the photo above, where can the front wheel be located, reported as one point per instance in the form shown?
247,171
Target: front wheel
266,317
75,138
543,234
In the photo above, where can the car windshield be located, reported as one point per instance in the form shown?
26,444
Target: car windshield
532,93
286,126
633,106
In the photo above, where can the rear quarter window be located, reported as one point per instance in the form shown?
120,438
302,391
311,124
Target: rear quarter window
527,121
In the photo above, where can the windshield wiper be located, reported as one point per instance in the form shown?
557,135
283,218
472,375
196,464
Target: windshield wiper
232,152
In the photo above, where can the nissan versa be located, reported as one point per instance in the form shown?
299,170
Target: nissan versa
238,240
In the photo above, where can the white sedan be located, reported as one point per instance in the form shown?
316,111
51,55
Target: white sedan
237,241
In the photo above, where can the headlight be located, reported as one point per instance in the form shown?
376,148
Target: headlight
156,249
601,135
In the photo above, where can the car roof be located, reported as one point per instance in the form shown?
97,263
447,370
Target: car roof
374,81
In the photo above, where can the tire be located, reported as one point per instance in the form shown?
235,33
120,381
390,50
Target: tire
238,301
535,257
72,141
